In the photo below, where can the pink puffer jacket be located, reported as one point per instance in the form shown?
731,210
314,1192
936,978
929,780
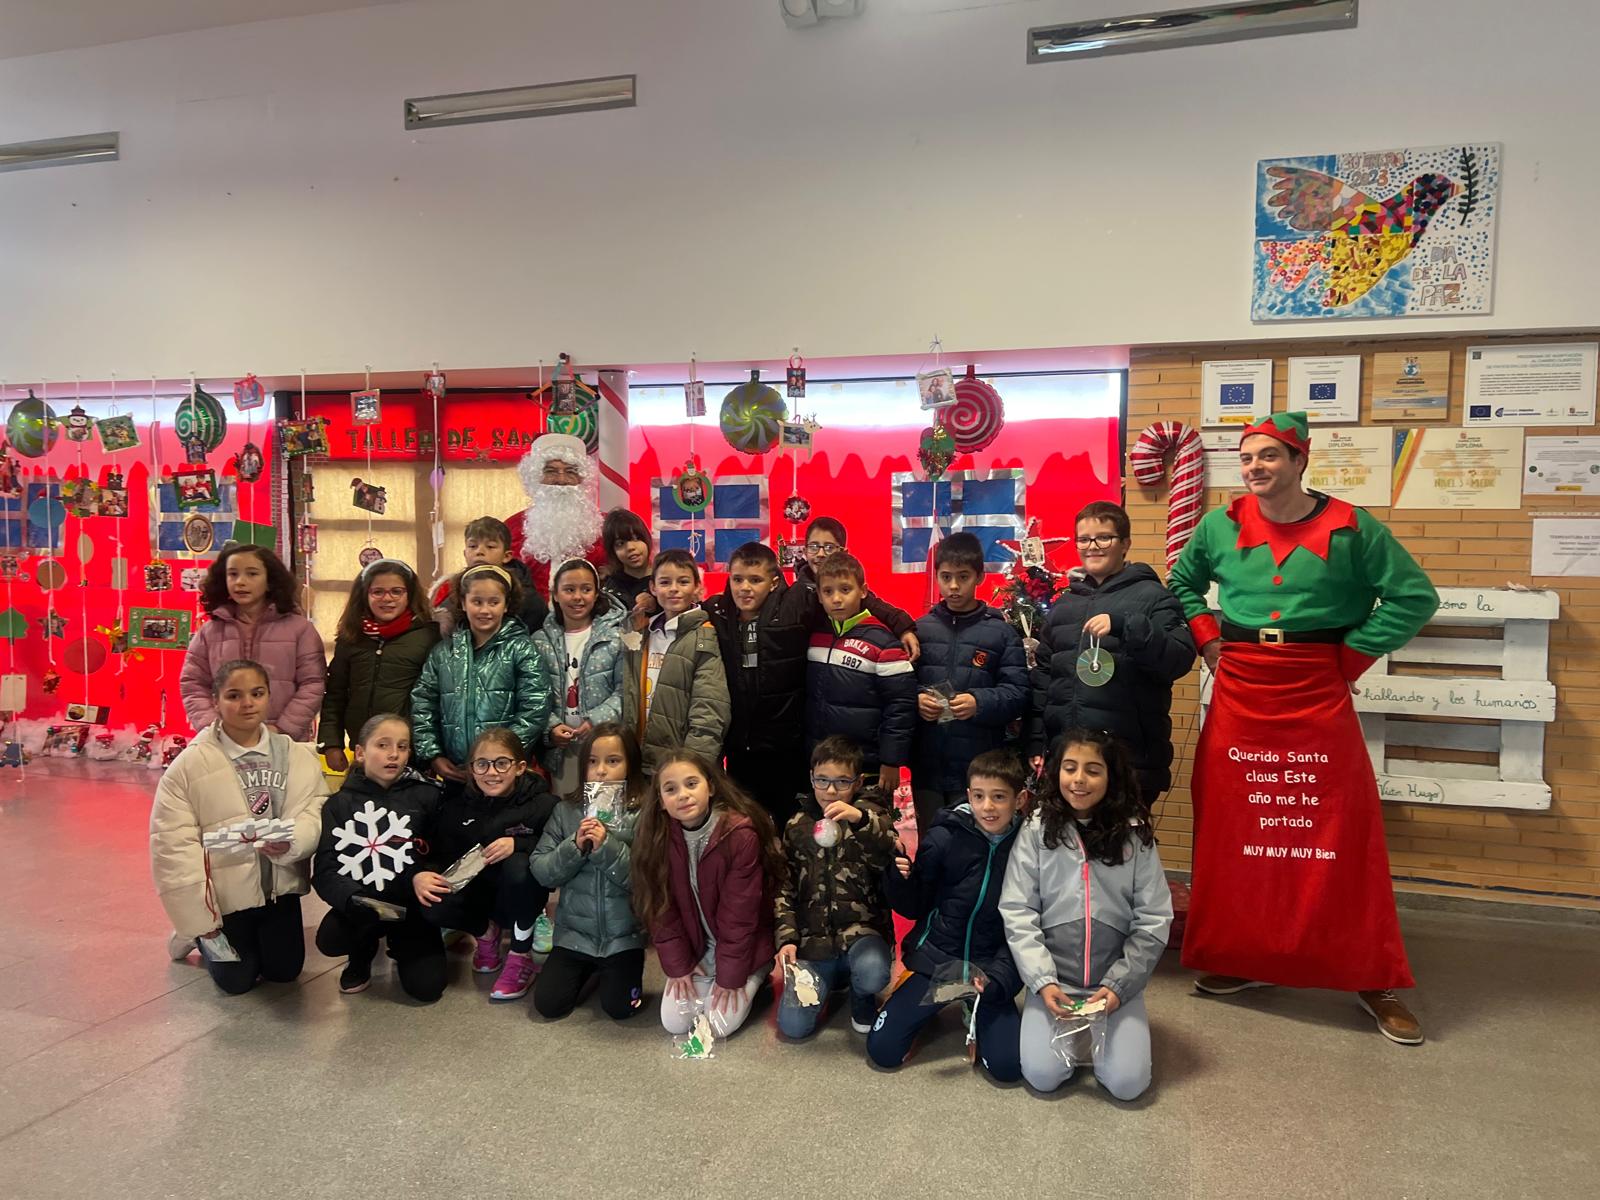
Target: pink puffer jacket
286,644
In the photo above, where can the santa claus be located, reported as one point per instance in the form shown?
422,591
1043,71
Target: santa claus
563,517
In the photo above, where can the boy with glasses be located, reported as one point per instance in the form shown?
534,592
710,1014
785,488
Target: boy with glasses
1137,643
833,924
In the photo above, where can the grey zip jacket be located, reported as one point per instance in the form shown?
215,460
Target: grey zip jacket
1081,924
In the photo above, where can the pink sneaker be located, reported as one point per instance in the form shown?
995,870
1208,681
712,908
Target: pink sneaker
516,978
486,957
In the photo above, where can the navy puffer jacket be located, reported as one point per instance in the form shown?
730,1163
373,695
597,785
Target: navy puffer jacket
860,684
977,652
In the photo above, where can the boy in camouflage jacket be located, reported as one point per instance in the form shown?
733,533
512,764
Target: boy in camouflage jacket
833,924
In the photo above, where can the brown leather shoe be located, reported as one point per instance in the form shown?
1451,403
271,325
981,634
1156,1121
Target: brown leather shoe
1226,985
1395,1021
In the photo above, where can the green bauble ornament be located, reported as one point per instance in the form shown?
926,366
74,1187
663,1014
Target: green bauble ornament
200,418
31,428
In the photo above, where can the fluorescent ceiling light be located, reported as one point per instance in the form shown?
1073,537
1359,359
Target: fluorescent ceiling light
509,104
60,152
1187,27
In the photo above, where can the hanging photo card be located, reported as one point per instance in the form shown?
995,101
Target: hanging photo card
1531,385
1556,466
1457,468
195,488
1411,386
1235,393
117,433
248,393
1327,390
369,497
366,408
159,628
936,388
297,438
1354,464
694,399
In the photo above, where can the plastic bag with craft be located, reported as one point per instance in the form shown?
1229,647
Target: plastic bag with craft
954,980
1079,1037
700,1042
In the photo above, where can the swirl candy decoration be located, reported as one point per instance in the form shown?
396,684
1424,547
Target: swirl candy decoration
752,416
583,424
1188,476
977,416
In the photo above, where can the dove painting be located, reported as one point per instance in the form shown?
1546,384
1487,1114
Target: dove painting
1384,233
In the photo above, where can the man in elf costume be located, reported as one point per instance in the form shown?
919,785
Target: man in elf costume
1291,875
563,516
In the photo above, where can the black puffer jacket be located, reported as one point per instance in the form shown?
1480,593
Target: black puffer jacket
473,819
953,895
977,652
1150,647
371,676
374,851
769,710
860,684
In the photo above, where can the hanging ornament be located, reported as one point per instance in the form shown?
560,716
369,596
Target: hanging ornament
198,535
50,681
584,424
692,489
84,657
752,416
790,554
53,625
10,567
796,379
368,556
117,433
249,463
308,539
113,494
366,408
195,488
192,579
564,388
157,577
797,435
52,575
936,451
977,416
796,509
77,426
81,497
248,393
200,419
305,489
10,474
13,625
369,497
1095,666
31,427
194,450
433,385
937,388
297,438
116,637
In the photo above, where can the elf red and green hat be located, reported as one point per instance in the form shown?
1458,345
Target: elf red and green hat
1290,428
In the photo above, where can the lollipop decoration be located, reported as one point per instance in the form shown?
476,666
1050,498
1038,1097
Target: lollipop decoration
977,416
200,420
583,424
752,416
1188,476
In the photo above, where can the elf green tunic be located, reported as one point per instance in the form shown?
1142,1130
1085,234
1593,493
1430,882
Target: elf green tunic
1291,875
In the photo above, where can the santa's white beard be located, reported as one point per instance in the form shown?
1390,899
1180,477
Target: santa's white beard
562,521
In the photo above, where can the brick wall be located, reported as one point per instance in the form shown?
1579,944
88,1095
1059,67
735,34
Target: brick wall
1548,857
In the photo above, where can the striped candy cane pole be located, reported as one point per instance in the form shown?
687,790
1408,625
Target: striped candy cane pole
613,453
1188,476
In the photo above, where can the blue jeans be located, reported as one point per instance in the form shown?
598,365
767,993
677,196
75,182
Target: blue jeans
865,967
908,1010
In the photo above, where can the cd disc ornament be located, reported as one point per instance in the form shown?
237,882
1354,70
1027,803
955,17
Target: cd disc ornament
977,416
31,428
752,416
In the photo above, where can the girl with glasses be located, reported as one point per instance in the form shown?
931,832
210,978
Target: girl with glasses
503,810
384,637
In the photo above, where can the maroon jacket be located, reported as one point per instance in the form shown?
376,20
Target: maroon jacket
737,897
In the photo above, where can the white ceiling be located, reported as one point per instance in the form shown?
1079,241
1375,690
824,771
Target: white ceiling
43,26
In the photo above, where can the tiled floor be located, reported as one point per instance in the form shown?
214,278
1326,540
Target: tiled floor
123,1075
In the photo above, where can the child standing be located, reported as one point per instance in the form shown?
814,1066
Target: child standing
973,676
627,574
1087,910
504,810
832,919
859,682
676,693
372,831
952,892
581,644
487,672
255,615
824,536
488,541
384,637
590,860
764,628
706,870
236,769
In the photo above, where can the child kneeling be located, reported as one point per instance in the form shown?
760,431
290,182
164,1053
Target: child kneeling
952,892
371,830
706,868
832,920
1087,910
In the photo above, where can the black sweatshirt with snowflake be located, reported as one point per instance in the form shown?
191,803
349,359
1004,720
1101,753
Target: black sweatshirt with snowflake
471,819
374,840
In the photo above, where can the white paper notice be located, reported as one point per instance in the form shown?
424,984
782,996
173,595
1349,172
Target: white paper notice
1354,464
1566,546
1222,459
1327,390
1531,385
1562,467
1235,393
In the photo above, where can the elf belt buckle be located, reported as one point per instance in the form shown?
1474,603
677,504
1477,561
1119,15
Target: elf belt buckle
1271,637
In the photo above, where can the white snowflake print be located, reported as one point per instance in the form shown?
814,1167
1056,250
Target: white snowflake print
365,864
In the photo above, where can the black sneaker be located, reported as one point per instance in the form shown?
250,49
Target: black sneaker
355,977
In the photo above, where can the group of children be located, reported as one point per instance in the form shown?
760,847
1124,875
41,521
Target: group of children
814,694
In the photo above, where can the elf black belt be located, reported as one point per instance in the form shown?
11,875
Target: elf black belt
1279,637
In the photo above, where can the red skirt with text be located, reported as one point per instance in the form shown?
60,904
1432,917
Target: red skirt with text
1291,874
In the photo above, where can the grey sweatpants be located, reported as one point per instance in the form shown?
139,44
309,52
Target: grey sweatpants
1122,1067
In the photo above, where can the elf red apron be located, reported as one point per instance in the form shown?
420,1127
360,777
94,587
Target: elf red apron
1291,874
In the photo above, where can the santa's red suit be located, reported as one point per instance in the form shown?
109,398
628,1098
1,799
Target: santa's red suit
566,516
538,570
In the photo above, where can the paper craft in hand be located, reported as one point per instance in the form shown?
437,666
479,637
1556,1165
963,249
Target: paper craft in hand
603,801
249,833
701,1040
943,693
954,980
803,985
465,869
385,910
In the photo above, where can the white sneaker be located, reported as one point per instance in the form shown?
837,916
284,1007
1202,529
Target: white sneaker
544,935
179,947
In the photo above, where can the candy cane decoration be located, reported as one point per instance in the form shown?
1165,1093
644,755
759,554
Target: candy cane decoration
1188,476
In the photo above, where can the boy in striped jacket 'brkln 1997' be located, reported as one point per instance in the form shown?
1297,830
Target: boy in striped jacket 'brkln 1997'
859,680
